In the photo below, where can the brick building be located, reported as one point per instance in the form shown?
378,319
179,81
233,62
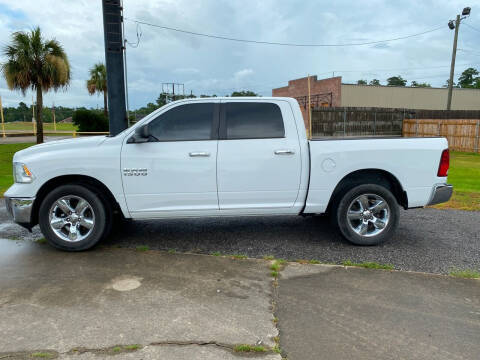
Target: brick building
323,92
331,92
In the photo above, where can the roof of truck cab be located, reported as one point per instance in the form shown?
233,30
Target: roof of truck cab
236,98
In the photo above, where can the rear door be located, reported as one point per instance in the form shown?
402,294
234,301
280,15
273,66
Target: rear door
258,160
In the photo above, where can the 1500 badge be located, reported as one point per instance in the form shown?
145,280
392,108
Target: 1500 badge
135,172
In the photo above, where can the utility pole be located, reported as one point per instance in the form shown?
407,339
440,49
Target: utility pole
454,25
452,66
171,95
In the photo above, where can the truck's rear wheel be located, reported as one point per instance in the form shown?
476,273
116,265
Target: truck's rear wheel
367,214
73,218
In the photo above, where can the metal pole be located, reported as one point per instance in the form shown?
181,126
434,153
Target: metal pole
452,66
1,114
344,121
309,110
34,121
126,82
477,131
125,71
375,123
54,122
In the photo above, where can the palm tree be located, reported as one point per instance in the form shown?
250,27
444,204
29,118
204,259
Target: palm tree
98,83
35,63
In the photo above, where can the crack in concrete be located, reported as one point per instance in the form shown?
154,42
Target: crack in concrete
121,349
275,285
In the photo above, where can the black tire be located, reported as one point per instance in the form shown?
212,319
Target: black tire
101,211
344,226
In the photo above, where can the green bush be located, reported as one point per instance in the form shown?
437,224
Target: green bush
90,120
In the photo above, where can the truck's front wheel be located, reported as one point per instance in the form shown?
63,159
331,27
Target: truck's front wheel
367,214
72,218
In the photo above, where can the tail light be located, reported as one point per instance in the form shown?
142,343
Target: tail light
444,164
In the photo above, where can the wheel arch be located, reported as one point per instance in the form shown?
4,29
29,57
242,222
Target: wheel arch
370,176
90,182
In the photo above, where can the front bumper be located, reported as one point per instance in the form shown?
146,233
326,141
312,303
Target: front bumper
441,193
20,209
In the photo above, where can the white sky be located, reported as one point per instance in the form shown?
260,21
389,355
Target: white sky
209,66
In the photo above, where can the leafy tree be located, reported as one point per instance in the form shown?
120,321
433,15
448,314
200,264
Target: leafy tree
396,81
24,113
375,82
35,63
98,83
455,85
362,82
165,98
22,107
469,79
244,93
423,85
162,99
90,120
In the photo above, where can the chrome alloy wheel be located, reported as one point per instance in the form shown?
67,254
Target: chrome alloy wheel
368,215
71,218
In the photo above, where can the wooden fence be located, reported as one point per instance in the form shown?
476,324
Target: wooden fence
460,127
345,121
462,134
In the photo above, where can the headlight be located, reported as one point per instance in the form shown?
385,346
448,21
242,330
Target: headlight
21,174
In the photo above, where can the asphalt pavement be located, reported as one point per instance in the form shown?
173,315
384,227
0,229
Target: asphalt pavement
427,240
351,313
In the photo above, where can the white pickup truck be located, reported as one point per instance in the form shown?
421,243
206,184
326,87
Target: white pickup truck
224,157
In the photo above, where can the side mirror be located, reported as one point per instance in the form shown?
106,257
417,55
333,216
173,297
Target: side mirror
141,135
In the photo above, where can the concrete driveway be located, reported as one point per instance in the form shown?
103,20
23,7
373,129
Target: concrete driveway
158,305
113,301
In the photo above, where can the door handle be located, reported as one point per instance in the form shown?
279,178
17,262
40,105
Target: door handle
284,152
199,154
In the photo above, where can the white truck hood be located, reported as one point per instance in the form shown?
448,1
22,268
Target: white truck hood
57,146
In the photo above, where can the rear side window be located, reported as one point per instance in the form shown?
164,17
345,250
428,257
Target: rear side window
253,120
184,123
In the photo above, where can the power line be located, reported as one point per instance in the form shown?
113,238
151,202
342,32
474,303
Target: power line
139,36
471,27
395,69
219,37
372,72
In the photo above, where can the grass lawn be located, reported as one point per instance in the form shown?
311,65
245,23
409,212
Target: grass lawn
6,171
464,175
24,126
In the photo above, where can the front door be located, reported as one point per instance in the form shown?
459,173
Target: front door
259,162
175,172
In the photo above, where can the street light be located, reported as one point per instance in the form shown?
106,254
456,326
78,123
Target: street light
455,24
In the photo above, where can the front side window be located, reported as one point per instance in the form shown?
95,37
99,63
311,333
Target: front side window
184,123
254,120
